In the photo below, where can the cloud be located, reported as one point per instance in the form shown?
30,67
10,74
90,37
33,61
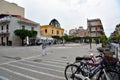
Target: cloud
73,13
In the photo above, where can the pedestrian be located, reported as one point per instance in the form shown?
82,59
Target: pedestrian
44,48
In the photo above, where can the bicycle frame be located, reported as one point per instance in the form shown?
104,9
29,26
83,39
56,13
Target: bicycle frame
92,72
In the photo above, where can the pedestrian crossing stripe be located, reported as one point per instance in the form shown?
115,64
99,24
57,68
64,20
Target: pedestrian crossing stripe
47,74
20,74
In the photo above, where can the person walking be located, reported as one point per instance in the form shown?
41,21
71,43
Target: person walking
44,48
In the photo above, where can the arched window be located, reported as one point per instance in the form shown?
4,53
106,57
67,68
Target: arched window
45,30
57,32
52,31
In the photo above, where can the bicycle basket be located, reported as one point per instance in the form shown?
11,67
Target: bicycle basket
110,61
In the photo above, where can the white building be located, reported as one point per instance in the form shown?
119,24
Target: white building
9,23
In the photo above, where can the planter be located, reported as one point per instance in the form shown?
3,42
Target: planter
108,53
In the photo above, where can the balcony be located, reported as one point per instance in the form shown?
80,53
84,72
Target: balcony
5,20
4,32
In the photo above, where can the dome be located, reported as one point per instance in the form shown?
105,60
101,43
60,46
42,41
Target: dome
55,23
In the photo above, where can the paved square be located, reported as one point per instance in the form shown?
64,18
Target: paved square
26,63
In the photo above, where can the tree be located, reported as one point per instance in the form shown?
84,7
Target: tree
23,33
104,40
34,33
57,37
116,39
86,38
67,38
31,33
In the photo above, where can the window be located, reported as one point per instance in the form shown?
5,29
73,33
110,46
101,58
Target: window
1,27
45,30
32,28
7,40
7,27
52,31
2,40
57,32
62,33
23,27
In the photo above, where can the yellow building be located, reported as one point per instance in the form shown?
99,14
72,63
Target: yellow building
53,29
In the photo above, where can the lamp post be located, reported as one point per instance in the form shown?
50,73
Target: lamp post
90,40
96,36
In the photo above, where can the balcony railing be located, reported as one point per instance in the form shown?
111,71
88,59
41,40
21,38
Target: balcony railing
6,19
4,31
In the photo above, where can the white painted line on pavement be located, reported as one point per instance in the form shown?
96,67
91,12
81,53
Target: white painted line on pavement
3,78
62,47
32,57
57,63
40,67
20,74
56,60
51,59
55,76
45,64
20,60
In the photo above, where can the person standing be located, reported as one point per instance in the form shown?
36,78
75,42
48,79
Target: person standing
44,48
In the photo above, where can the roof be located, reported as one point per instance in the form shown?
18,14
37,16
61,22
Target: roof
19,17
55,23
91,20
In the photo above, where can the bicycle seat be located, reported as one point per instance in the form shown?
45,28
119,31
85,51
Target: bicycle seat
86,58
78,59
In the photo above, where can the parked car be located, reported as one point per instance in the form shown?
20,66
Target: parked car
39,43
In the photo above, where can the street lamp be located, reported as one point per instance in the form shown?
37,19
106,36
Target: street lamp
96,36
90,40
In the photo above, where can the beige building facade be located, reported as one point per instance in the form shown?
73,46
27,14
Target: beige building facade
80,32
116,31
95,28
11,8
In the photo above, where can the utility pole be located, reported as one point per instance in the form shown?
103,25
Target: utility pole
90,39
96,37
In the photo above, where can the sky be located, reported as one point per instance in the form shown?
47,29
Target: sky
72,13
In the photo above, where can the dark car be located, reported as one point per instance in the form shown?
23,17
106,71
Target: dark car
39,43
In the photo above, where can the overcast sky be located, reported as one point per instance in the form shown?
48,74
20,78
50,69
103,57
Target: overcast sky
73,13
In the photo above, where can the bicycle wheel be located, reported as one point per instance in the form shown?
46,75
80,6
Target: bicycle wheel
113,75
69,70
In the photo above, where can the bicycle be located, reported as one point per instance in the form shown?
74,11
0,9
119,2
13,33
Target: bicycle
86,70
